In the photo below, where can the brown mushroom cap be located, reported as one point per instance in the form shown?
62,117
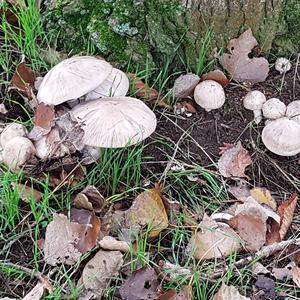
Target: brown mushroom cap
72,78
114,122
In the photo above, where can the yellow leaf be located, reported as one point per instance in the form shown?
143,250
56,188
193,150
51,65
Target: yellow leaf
263,196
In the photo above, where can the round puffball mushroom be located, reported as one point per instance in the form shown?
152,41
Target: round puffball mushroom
282,137
282,65
11,131
72,78
114,122
115,85
17,152
273,109
254,101
209,94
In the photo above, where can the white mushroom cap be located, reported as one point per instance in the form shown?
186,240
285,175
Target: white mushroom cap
17,152
282,137
115,85
274,109
114,122
254,100
72,78
282,65
293,109
11,131
209,94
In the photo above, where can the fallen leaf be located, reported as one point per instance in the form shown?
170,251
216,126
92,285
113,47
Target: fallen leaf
239,65
258,268
296,275
216,75
23,79
98,273
184,294
39,290
26,192
172,271
286,212
90,199
228,293
147,212
263,196
214,240
241,193
110,243
189,107
267,285
142,284
185,84
283,274
234,161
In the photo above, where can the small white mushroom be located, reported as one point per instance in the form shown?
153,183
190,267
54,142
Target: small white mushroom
11,131
293,111
209,94
273,109
72,78
254,101
282,137
282,65
115,85
17,152
114,122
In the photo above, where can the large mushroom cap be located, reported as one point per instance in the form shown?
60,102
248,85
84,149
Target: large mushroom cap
115,85
282,137
72,78
273,109
114,122
209,94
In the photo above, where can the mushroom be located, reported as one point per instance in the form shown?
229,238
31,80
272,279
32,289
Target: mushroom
17,152
282,65
273,109
11,131
115,85
293,111
254,100
209,94
72,78
282,137
114,122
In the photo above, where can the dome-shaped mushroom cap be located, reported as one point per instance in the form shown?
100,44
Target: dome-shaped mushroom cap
114,122
72,78
209,94
282,65
293,109
115,85
11,131
282,137
17,152
254,100
273,109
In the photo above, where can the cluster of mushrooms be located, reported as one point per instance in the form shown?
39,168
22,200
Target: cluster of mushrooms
107,117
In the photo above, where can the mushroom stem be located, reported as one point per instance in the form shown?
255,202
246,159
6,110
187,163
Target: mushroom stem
257,116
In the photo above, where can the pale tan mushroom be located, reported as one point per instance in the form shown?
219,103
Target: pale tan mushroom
115,85
254,101
17,152
273,109
209,94
11,131
72,78
282,137
293,111
114,122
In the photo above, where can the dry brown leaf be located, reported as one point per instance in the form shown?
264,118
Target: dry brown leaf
263,196
286,212
23,79
110,243
142,284
189,107
282,274
39,290
258,268
267,286
216,75
184,294
296,275
214,240
241,193
147,212
228,293
238,63
98,273
90,199
234,161
185,84
27,193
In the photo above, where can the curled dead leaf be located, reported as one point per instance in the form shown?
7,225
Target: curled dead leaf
110,243
228,293
185,84
41,288
216,75
26,192
263,196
